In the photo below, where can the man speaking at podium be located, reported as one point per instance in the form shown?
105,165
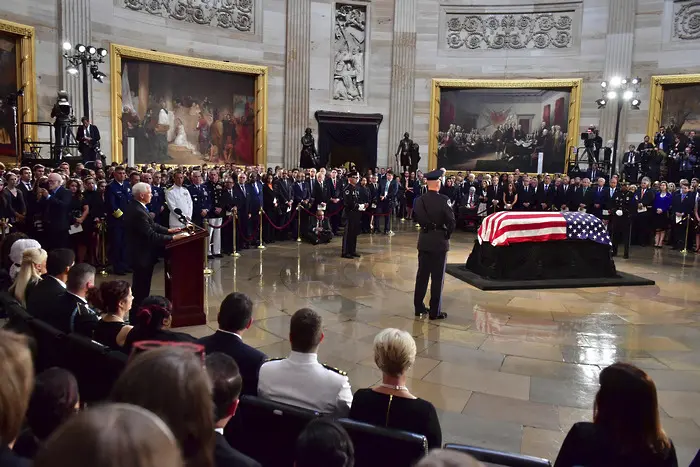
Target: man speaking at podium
144,238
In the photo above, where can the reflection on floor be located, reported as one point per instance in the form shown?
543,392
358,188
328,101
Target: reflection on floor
509,370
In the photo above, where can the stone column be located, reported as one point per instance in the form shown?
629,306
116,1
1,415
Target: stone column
76,29
403,61
618,62
297,77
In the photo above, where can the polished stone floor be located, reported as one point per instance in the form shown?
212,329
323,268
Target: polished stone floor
510,370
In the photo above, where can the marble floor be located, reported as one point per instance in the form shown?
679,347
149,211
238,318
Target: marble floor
510,370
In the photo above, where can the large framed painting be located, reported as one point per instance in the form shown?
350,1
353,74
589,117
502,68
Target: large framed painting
675,104
17,88
175,109
503,125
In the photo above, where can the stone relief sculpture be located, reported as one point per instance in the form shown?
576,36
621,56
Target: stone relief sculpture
509,31
226,14
349,52
686,20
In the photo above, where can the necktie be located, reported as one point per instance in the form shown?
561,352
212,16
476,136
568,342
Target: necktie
230,192
643,193
243,188
599,190
682,197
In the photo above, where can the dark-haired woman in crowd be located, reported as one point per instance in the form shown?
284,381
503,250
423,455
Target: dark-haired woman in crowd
113,299
412,187
153,320
270,206
114,435
17,202
7,214
172,383
626,429
54,399
510,197
94,197
662,206
78,210
324,443
401,196
36,210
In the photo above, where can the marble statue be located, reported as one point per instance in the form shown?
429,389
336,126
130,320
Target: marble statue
309,157
404,151
349,53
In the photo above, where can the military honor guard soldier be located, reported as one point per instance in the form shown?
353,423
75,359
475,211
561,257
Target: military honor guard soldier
118,196
437,222
216,213
353,212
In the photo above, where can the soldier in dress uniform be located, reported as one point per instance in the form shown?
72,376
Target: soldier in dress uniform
178,197
300,379
624,205
437,222
201,203
118,195
216,212
157,204
353,212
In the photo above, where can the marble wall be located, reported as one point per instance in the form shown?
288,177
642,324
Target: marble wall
406,47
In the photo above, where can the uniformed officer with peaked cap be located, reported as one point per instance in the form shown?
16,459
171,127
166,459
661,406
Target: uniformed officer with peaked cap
353,214
437,222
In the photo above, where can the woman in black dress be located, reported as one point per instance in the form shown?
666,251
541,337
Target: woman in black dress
153,320
510,197
411,187
401,196
17,202
270,206
390,404
94,200
79,211
626,429
113,299
364,197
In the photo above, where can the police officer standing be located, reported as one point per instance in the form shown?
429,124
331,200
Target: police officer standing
624,205
437,222
353,212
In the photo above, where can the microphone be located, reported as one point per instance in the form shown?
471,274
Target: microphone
181,217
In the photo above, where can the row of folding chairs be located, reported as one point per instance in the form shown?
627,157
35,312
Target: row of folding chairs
267,431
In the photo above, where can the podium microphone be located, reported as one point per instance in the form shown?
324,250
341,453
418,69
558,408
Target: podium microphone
181,217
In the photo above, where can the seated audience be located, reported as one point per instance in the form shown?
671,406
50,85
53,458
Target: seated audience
324,443
71,312
53,284
626,429
300,379
235,318
14,249
113,299
33,265
17,372
153,320
6,249
319,230
390,404
447,458
54,400
172,383
226,385
113,435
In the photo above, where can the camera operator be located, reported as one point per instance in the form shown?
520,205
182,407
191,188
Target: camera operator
592,142
62,113
88,140
664,139
630,165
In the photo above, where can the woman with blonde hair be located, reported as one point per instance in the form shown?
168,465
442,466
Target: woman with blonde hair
32,267
390,404
16,384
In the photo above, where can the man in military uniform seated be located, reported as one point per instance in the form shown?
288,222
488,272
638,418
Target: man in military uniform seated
302,381
319,230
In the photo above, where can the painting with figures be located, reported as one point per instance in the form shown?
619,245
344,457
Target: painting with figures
8,85
183,115
488,129
681,109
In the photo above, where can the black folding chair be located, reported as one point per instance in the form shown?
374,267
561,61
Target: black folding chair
380,447
506,459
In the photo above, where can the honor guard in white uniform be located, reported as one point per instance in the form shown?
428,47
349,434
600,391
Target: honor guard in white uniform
178,196
300,380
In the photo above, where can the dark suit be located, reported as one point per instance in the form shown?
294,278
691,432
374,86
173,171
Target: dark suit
247,358
608,201
385,206
642,220
593,176
562,197
58,218
494,193
226,456
144,238
242,199
526,195
70,314
324,236
545,196
255,202
679,204
43,297
437,222
334,192
88,149
598,197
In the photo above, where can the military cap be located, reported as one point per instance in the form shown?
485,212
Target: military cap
435,174
352,174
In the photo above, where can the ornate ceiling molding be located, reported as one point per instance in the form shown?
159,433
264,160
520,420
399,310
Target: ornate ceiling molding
225,14
686,20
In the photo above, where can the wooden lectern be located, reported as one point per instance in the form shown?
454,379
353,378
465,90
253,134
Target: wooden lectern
184,279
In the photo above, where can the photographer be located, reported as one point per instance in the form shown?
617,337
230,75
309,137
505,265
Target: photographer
592,142
62,113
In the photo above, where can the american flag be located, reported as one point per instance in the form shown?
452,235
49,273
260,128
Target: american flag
508,227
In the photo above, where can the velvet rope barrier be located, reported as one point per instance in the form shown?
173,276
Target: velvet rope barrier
294,214
228,221
247,239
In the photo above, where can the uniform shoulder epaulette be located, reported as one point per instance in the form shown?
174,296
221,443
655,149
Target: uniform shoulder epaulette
334,370
169,188
275,359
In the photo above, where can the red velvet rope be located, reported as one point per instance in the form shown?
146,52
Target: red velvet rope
283,226
247,239
228,221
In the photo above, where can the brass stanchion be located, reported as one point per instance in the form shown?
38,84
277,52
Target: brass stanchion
261,246
391,232
684,251
103,248
235,253
207,271
299,224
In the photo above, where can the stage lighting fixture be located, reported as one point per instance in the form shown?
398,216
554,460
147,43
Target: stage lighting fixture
624,81
80,48
636,81
67,46
604,84
612,95
102,52
635,104
628,95
92,50
615,81
72,70
601,103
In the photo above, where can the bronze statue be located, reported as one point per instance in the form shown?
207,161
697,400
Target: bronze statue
415,157
404,150
309,157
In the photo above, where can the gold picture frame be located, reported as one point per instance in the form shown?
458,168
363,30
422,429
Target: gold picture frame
656,98
26,73
574,85
117,52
